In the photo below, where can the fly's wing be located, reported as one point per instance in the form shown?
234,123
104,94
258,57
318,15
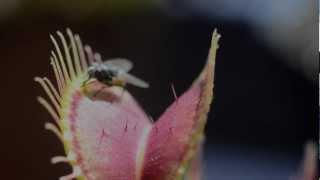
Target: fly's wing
119,63
130,79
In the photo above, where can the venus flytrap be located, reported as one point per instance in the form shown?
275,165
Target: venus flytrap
107,136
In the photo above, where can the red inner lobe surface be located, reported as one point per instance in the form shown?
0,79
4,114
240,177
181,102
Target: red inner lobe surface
171,136
107,133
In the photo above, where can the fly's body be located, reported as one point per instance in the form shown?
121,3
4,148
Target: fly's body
115,73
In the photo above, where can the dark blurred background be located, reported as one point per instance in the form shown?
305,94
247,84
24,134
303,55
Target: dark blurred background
266,102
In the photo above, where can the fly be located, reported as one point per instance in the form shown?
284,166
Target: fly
115,72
